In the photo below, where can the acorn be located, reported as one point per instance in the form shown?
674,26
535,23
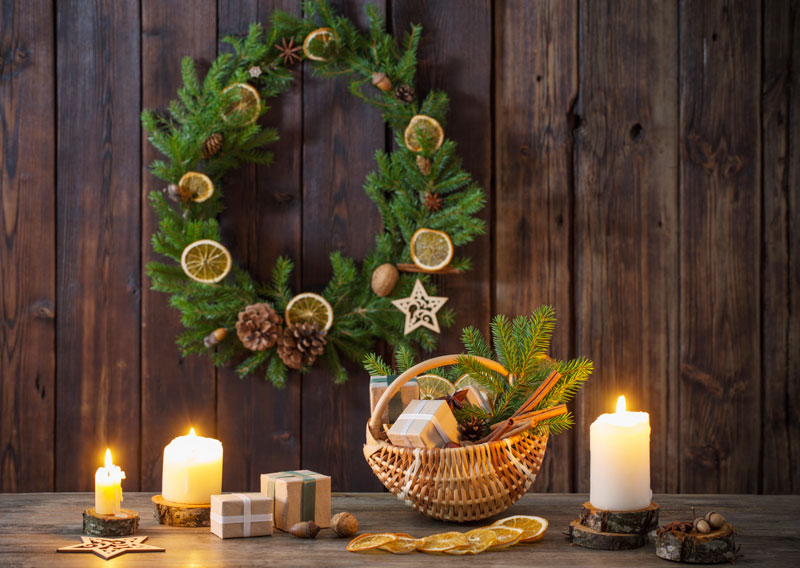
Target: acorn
306,529
715,520
702,526
380,80
344,524
215,337
384,279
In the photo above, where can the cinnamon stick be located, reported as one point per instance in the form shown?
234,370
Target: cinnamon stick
532,419
539,393
506,425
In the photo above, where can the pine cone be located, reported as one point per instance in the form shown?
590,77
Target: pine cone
212,145
258,327
404,93
301,344
472,429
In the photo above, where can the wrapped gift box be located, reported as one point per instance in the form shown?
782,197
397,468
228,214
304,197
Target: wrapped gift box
425,424
299,496
476,397
407,393
237,515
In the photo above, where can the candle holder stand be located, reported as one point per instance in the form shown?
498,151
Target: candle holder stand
124,523
181,514
613,530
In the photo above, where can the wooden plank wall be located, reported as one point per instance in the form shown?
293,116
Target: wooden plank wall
641,163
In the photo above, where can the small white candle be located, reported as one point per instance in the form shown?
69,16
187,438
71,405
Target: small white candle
192,469
620,460
108,488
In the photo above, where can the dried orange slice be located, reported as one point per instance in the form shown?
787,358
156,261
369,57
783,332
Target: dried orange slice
423,127
196,186
431,250
506,536
318,44
365,542
433,386
245,107
478,540
206,261
404,544
443,541
310,308
533,527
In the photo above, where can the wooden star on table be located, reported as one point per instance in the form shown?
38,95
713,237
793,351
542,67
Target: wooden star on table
420,309
107,548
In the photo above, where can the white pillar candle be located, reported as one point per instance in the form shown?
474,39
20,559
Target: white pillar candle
108,488
620,460
192,469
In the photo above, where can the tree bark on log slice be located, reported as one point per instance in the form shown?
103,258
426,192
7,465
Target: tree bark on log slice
181,515
590,538
123,524
626,522
696,548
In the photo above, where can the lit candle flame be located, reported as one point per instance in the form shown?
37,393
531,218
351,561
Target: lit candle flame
621,404
109,463
192,432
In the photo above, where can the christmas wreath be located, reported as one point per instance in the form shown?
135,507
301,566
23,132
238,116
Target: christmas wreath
426,200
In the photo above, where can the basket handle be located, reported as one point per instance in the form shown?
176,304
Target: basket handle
397,384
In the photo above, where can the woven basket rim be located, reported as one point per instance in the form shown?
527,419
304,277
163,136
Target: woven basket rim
503,441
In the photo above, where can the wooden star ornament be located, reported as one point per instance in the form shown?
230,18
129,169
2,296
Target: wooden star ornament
108,548
420,309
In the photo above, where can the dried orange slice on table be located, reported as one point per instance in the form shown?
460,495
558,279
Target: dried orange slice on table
368,542
442,542
431,250
245,106
310,308
433,386
206,261
318,44
478,540
506,536
196,186
533,527
404,544
423,127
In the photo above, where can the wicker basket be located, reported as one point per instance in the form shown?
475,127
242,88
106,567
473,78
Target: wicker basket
453,484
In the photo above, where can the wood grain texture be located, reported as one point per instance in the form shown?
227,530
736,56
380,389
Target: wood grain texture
626,222
765,526
258,424
780,461
340,137
98,254
720,212
27,254
176,393
455,55
536,62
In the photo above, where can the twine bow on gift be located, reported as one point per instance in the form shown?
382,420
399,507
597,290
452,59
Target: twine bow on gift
246,518
308,502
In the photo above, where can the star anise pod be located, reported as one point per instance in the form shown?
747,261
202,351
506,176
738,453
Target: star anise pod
433,202
288,51
456,400
677,526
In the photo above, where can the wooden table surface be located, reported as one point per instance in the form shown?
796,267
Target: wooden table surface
33,525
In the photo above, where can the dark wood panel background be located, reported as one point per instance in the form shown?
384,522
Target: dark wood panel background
641,164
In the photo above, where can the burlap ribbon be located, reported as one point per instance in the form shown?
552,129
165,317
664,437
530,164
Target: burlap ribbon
308,502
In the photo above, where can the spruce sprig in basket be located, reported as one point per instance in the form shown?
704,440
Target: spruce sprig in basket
480,480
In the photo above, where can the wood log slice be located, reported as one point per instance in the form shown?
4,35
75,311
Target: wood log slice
180,514
123,524
696,548
626,522
590,538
